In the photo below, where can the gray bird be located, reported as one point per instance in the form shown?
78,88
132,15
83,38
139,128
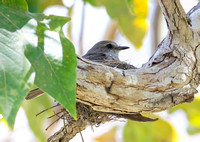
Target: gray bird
105,52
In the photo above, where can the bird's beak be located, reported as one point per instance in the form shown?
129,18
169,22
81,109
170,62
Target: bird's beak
122,47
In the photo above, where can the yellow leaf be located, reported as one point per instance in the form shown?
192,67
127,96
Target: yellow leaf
159,131
140,7
108,136
193,114
132,21
140,23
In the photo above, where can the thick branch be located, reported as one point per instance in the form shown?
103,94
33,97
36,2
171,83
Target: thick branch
169,78
174,15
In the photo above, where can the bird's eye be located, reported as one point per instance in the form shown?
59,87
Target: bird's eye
109,46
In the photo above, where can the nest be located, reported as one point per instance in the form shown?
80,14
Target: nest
86,116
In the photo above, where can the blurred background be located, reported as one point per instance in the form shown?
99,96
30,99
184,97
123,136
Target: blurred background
138,24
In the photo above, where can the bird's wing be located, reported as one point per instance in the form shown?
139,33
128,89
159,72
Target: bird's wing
97,57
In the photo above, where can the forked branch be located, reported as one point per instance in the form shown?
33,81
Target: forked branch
170,77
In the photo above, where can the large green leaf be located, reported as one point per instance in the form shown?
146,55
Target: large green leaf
132,24
41,5
14,66
55,77
15,4
20,30
193,114
159,131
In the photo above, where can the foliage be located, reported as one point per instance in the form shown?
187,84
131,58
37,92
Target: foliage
193,114
149,132
41,5
14,66
142,132
21,32
133,24
109,136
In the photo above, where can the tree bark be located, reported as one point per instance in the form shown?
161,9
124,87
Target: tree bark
169,78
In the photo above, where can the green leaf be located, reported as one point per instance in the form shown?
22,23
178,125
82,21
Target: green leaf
57,77
133,26
12,20
70,63
193,114
18,30
40,5
33,107
14,66
57,22
158,131
92,2
131,6
15,4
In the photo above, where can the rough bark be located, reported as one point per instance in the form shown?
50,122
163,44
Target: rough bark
169,78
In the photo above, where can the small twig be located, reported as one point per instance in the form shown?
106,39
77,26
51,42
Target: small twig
80,132
54,115
54,122
81,135
64,123
92,128
47,109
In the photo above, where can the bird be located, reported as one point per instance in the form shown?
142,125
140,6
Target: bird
105,52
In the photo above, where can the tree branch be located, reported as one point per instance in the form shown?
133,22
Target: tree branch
155,26
174,15
169,78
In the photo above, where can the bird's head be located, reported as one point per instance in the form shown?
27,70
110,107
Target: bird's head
107,46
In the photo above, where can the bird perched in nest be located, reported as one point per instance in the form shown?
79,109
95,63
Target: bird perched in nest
105,52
